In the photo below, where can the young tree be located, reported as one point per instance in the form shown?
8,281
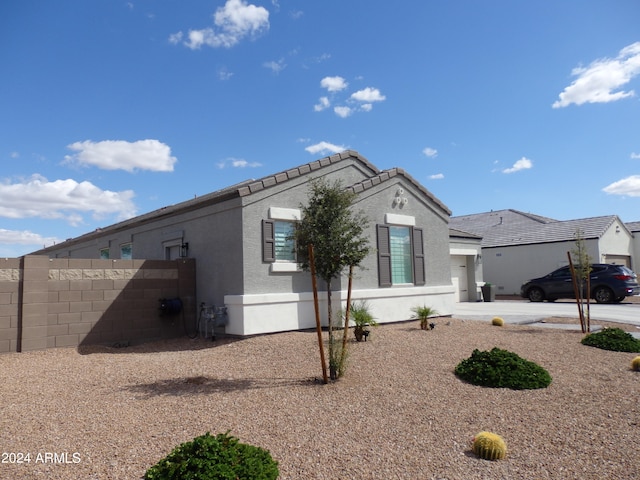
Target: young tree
581,266
337,234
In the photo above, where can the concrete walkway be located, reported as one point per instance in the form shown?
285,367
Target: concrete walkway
525,312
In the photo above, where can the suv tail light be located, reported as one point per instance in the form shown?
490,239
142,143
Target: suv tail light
624,278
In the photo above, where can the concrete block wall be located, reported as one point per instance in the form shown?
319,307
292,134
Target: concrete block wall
47,303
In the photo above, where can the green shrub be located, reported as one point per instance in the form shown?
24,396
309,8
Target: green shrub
614,339
502,369
221,457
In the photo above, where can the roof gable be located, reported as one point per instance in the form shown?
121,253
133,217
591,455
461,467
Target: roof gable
248,187
386,175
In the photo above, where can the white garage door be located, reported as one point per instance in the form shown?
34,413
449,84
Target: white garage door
618,260
459,277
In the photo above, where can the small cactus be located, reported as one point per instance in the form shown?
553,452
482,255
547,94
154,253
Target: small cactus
497,321
635,364
489,446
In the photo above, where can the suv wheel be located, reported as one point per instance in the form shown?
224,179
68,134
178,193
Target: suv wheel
536,295
603,295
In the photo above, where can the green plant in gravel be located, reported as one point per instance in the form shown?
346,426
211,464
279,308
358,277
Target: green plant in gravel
635,364
489,446
499,368
221,457
614,339
423,313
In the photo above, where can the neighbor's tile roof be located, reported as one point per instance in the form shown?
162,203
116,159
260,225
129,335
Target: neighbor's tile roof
511,227
633,226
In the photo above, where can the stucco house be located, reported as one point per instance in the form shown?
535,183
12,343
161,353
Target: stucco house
517,246
239,239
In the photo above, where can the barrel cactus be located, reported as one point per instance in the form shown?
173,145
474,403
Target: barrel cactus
635,364
489,446
497,321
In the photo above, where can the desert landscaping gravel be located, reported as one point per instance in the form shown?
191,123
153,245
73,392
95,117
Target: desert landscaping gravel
398,413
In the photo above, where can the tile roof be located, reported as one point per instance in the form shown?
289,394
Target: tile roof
633,226
511,227
248,187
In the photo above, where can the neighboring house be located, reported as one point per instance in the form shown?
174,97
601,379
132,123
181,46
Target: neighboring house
517,246
240,239
634,228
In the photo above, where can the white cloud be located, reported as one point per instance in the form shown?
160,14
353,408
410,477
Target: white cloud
342,111
176,38
323,104
14,155
25,237
296,14
629,186
368,95
233,22
275,67
238,163
62,199
224,74
333,84
522,164
325,147
430,152
635,156
600,81
437,176
121,155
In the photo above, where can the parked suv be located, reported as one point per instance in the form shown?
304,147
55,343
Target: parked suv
609,284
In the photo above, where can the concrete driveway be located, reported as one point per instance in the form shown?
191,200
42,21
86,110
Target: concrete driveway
523,311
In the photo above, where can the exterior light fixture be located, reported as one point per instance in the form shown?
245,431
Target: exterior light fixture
184,250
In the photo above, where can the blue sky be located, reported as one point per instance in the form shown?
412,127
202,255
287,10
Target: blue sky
110,109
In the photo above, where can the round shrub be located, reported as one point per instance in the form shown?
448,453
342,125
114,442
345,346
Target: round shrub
489,446
221,457
499,368
497,321
635,364
614,339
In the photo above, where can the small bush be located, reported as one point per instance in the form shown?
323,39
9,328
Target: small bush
635,364
502,369
614,339
423,313
497,321
221,457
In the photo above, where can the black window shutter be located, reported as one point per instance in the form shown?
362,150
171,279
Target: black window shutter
268,241
418,256
384,256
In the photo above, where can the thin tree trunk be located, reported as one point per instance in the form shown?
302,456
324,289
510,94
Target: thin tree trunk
333,368
576,289
343,352
317,311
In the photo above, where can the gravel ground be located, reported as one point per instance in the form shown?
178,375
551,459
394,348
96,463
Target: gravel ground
399,412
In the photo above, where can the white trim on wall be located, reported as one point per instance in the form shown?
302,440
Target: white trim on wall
395,219
278,213
278,312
